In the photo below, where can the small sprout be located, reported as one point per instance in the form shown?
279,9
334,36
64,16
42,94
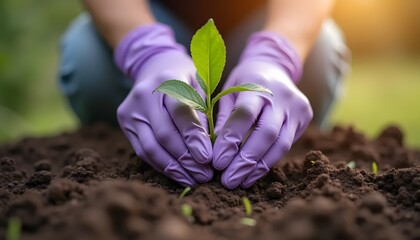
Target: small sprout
312,162
248,221
351,164
186,209
186,190
248,212
187,212
247,205
375,168
14,229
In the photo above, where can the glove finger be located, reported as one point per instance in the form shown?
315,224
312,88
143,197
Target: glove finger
247,109
160,159
203,120
262,137
134,140
202,117
225,109
273,155
171,138
301,129
259,171
176,147
190,129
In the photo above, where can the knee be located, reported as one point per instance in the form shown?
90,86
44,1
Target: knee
324,69
331,47
87,75
80,50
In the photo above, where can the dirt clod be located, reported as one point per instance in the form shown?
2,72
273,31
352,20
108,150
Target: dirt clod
39,179
89,184
43,165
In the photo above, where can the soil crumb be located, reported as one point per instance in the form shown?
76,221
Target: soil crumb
89,184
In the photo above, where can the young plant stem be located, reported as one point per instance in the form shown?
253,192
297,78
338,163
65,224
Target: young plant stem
208,52
211,126
209,116
248,212
184,192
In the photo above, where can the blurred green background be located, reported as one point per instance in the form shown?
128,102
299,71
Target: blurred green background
382,87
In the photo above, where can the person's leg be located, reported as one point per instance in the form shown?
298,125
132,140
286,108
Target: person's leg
323,70
88,76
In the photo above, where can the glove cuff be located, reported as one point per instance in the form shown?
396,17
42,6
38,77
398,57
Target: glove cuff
140,44
273,48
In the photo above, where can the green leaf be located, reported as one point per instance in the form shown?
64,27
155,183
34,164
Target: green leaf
201,82
241,88
184,93
209,55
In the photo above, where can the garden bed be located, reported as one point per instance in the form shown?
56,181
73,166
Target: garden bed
89,184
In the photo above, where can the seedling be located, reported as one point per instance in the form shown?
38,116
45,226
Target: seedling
187,210
209,56
375,168
351,164
248,212
14,229
186,190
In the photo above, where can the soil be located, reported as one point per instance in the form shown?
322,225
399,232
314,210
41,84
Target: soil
89,184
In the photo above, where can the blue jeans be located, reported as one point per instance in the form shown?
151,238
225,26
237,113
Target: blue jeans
95,87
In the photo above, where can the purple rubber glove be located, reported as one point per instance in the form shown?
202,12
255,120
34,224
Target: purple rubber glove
165,133
276,121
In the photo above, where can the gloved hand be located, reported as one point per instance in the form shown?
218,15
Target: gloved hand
274,122
165,133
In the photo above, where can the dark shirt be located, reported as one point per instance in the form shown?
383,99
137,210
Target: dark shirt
226,13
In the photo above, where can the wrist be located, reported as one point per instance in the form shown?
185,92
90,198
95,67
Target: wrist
270,47
141,44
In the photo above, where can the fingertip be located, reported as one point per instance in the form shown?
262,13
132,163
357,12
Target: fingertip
223,153
227,183
176,172
200,172
260,171
206,176
232,177
202,157
186,182
201,149
246,185
248,182
221,163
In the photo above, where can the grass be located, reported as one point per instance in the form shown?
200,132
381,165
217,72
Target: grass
30,104
382,91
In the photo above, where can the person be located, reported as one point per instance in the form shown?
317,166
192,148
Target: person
114,56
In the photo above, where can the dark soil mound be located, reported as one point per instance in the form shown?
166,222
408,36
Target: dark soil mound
90,185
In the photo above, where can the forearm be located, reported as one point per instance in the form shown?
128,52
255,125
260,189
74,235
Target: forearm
114,19
299,21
